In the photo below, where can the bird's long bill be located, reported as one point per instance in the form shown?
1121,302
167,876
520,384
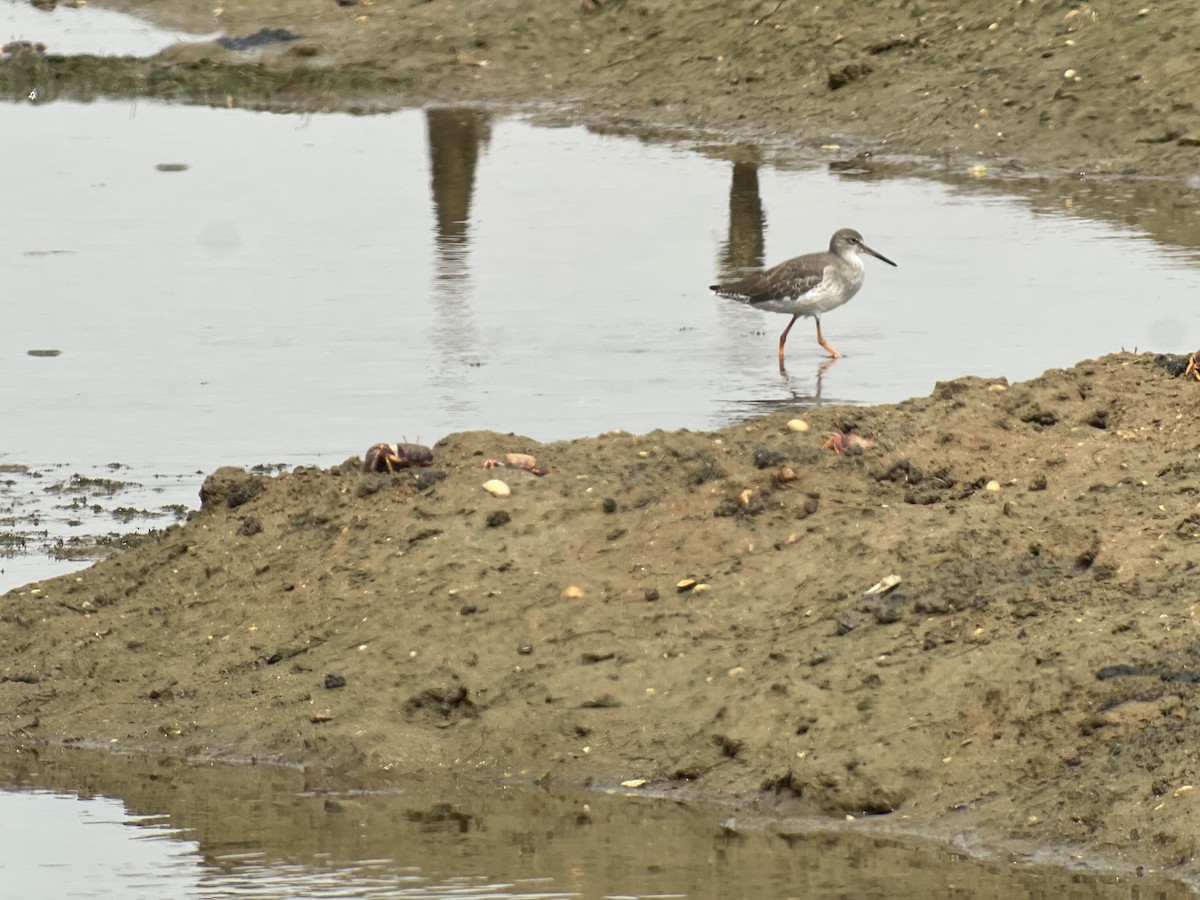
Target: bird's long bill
867,249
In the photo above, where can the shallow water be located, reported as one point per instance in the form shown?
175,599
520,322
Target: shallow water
227,287
165,828
70,30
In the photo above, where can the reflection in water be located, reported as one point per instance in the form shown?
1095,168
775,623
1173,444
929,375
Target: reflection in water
813,399
743,249
194,829
456,138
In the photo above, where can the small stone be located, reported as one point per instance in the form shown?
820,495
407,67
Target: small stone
498,517
992,485
333,682
572,592
497,488
609,505
651,594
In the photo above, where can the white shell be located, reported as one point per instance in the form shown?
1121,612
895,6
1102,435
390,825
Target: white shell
882,587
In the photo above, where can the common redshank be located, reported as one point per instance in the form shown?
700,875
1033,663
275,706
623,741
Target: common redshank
807,285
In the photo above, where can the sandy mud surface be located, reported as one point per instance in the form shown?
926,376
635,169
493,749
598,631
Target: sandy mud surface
694,610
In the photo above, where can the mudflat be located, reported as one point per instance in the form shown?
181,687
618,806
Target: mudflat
978,618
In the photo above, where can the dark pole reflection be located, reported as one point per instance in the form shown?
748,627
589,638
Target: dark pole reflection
457,138
743,248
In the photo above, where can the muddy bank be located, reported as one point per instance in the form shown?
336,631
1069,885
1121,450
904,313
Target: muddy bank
668,608
1047,84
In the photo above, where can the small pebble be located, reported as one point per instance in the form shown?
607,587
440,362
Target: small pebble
992,485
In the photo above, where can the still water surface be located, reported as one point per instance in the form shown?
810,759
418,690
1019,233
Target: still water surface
204,831
230,287
72,28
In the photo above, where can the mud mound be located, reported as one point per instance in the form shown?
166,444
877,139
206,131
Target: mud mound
693,609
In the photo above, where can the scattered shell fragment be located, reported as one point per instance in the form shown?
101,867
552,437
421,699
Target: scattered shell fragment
786,474
883,585
997,388
497,488
572,592
746,495
701,588
797,425
992,485
633,783
685,584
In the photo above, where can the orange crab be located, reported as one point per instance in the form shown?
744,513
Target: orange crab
840,442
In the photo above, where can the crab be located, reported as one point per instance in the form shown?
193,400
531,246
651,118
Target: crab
516,461
840,442
390,457
1193,368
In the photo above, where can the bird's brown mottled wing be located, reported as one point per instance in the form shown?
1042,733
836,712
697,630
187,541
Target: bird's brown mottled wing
775,284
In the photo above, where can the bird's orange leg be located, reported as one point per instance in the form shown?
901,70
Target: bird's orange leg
820,340
783,340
